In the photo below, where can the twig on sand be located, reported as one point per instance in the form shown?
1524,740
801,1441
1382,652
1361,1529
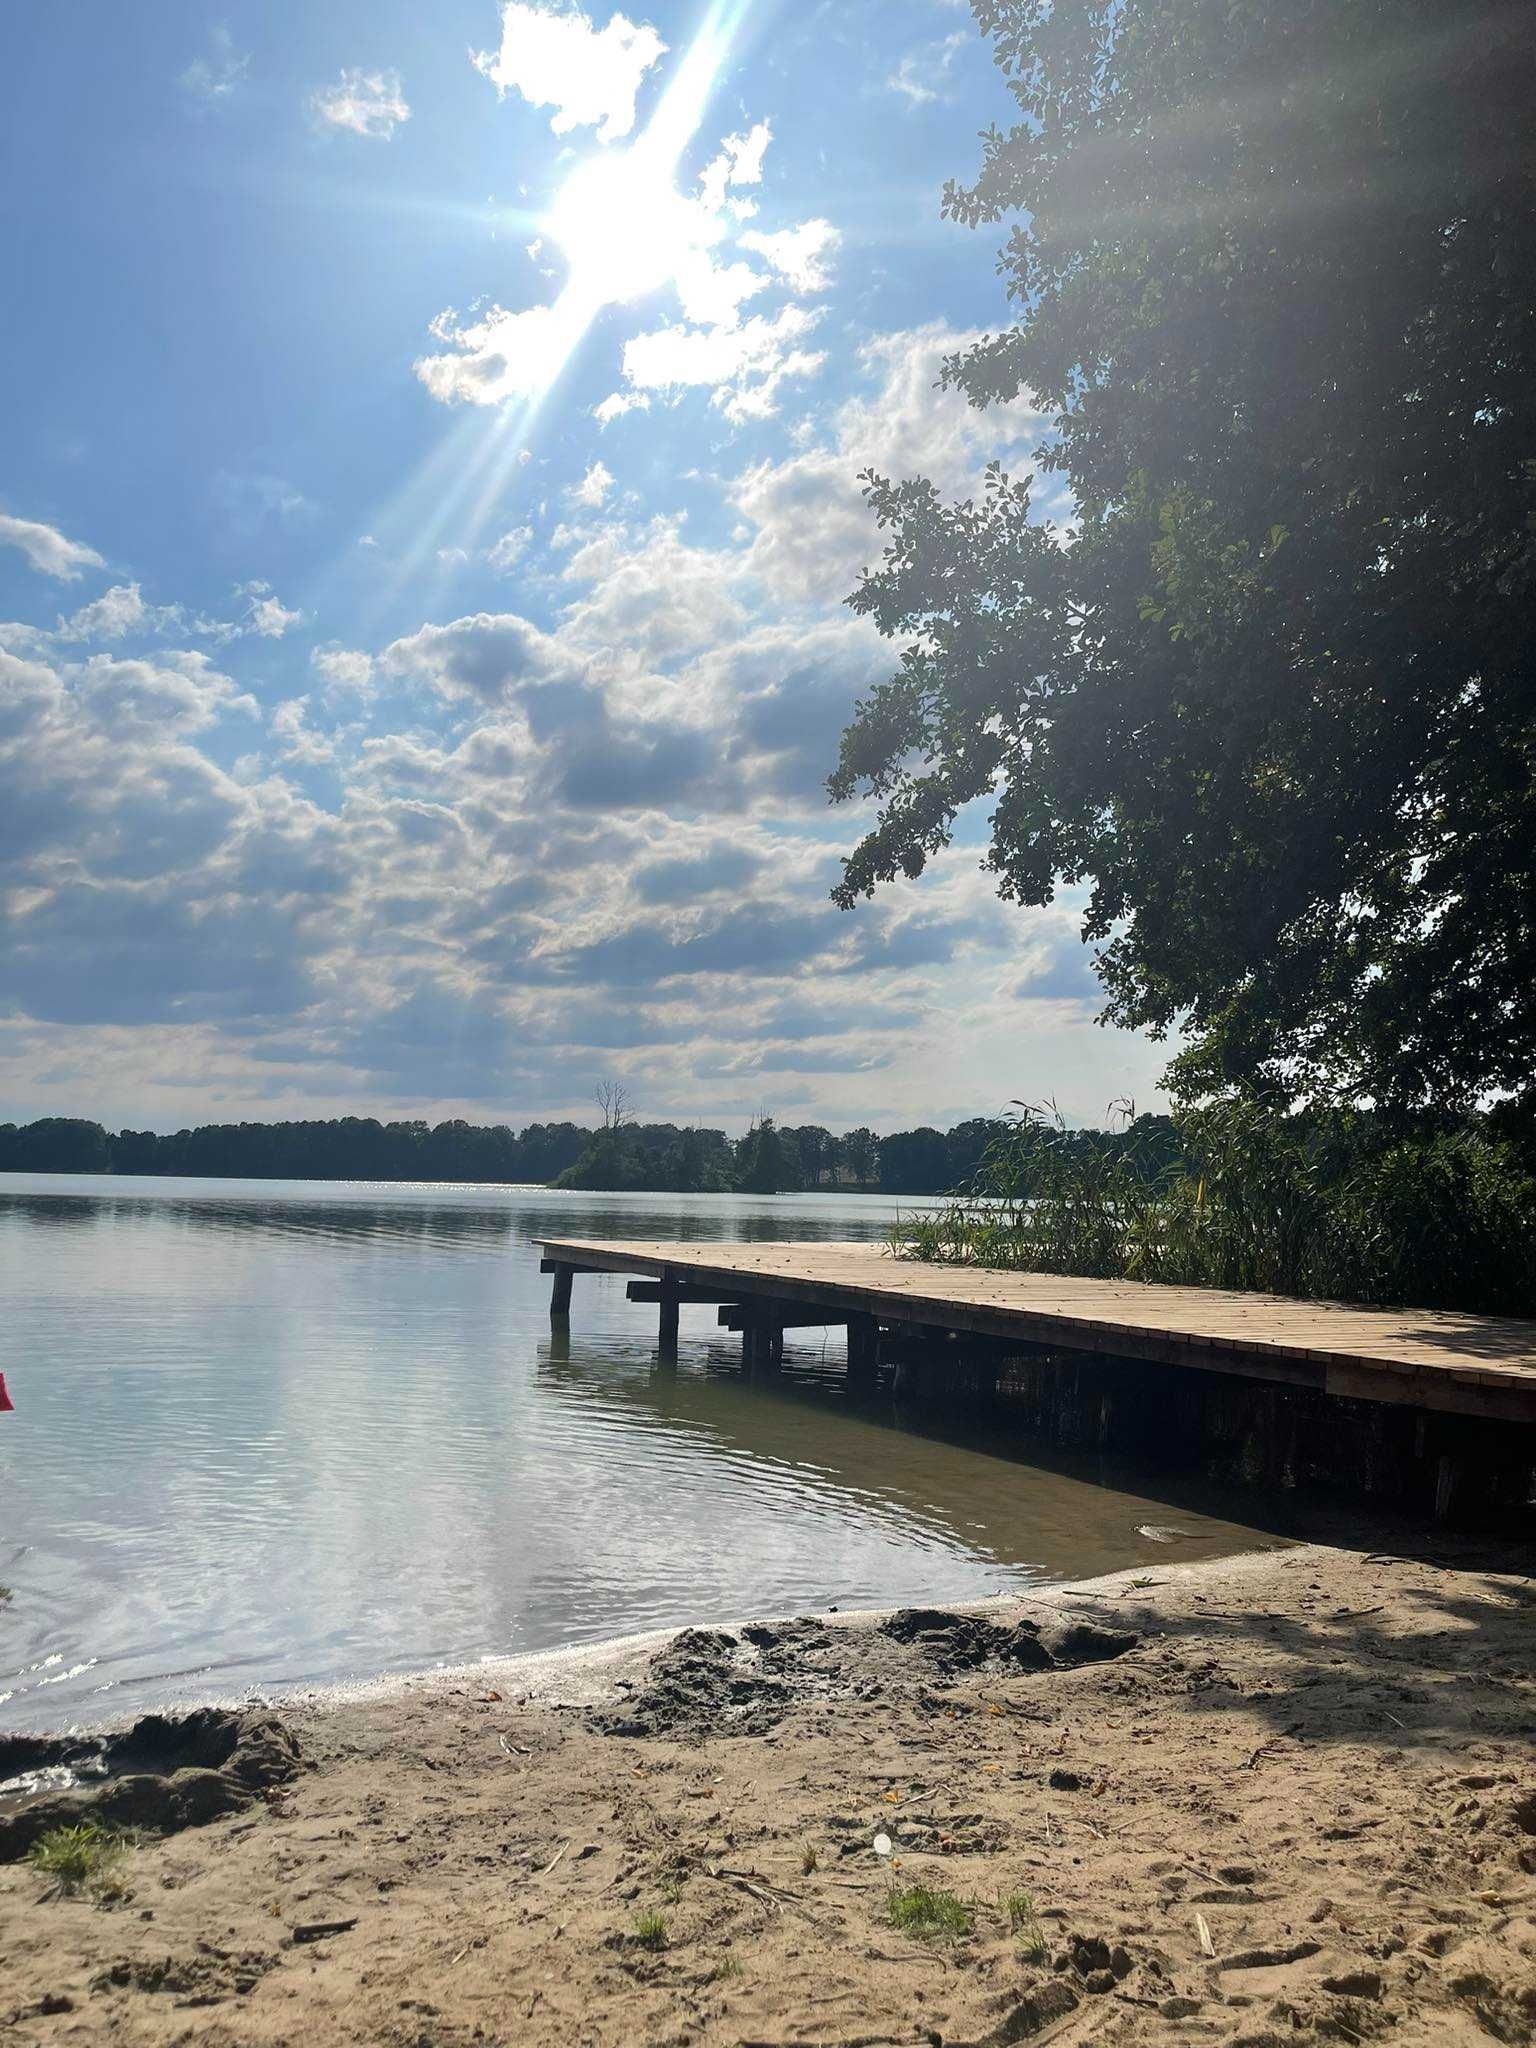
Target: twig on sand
549,1866
1073,1820
1202,1928
768,1895
317,1930
853,2041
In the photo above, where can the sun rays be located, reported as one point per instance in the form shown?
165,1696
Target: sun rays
624,230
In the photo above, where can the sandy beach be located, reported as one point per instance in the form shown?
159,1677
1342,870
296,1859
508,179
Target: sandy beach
1278,1799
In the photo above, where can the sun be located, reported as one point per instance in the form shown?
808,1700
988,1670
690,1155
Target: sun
624,227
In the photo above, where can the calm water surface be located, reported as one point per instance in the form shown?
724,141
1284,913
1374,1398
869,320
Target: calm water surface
272,1433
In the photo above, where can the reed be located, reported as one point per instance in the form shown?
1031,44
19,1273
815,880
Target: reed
1326,1206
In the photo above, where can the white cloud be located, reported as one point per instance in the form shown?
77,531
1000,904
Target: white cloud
921,74
812,527
297,740
47,550
270,620
213,77
502,355
617,404
653,597
507,552
556,57
801,255
362,102
594,487
117,613
343,670
265,616
743,365
486,655
739,162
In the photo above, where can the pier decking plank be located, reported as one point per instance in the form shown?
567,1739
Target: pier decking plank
1474,1365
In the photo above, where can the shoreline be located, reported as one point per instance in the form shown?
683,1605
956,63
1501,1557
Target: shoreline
1283,1797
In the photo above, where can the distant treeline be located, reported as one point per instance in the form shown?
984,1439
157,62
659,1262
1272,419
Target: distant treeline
771,1158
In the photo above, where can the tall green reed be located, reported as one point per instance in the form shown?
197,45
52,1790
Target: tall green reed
1329,1205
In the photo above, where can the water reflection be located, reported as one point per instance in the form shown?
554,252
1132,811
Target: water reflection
269,1433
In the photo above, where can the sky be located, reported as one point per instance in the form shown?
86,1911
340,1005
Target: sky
429,455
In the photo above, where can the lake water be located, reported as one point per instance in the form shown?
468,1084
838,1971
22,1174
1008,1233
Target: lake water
270,1434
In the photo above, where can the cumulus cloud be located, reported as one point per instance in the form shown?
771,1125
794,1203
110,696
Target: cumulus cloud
557,57
47,550
509,550
594,487
118,611
813,531
742,366
342,670
739,161
496,357
801,255
601,829
487,655
652,596
266,617
370,103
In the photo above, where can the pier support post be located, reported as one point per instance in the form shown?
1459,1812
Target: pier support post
667,1329
560,1294
762,1345
863,1349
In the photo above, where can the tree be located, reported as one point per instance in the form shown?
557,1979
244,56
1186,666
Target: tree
1273,700
860,1150
612,1099
914,1162
762,1166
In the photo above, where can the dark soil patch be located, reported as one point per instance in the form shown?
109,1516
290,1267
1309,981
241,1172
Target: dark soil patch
699,1686
160,1775
965,1642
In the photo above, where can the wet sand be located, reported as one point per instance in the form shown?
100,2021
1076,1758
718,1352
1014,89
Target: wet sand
1277,1799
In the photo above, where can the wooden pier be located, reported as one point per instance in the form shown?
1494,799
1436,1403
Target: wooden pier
1270,1383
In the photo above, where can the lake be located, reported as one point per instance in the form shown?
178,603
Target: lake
281,1434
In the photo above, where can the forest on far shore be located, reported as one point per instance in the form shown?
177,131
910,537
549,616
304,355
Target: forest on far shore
770,1158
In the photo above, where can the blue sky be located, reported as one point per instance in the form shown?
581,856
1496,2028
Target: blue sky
427,494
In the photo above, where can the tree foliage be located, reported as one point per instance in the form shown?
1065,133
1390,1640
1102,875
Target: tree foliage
1269,697
622,1153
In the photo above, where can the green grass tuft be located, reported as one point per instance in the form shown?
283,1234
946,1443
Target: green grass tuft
1019,1908
651,1930
76,1856
928,1915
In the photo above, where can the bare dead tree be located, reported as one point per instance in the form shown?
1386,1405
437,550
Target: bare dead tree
612,1098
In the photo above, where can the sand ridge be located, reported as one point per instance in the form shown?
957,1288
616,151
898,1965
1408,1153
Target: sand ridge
1285,1798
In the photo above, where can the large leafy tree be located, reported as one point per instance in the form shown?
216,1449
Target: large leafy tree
1270,696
